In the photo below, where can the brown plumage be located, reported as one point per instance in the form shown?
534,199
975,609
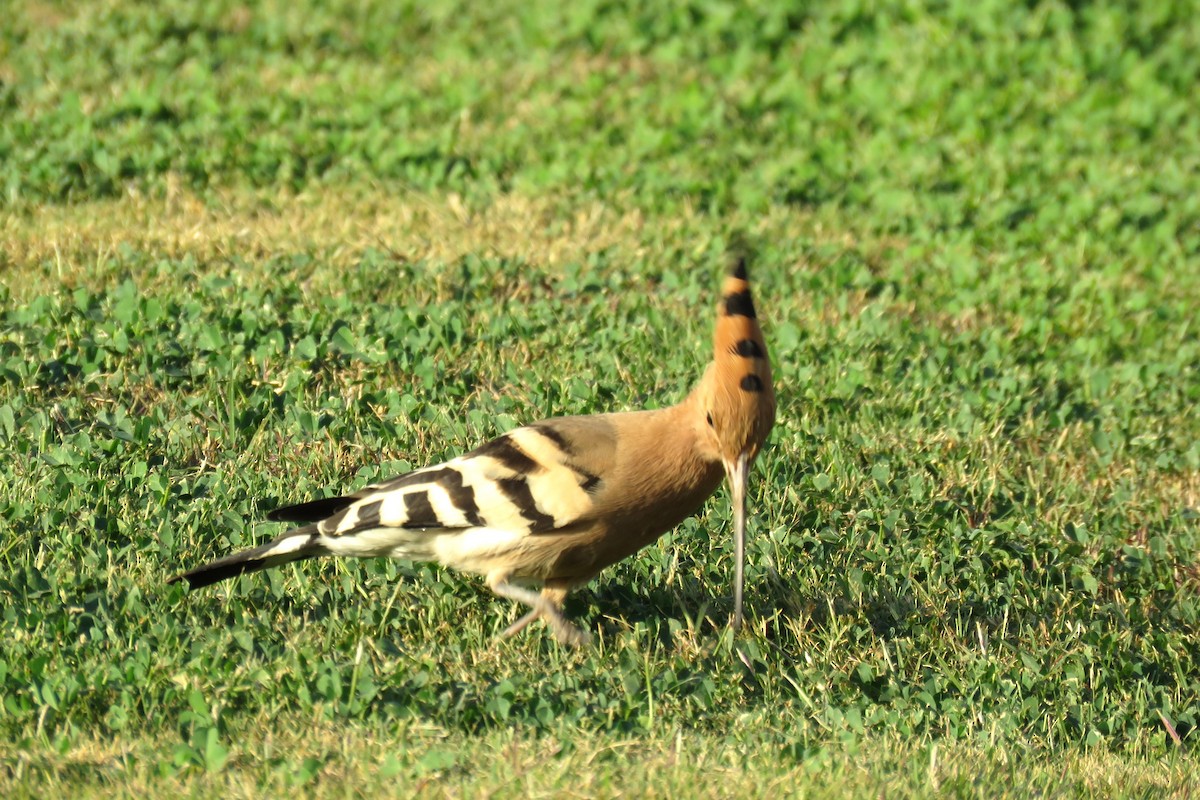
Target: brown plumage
557,501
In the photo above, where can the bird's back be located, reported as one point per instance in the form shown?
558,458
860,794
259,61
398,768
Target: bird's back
556,500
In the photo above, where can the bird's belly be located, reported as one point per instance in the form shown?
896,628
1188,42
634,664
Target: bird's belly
578,556
574,556
478,550
475,550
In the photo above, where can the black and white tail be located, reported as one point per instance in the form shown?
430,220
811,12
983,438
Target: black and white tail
466,513
294,545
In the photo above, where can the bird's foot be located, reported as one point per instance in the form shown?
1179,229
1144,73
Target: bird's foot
564,631
569,634
520,624
544,605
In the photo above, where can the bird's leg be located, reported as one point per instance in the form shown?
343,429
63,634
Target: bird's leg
520,624
552,593
546,605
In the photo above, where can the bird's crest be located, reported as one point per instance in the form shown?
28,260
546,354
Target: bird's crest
742,394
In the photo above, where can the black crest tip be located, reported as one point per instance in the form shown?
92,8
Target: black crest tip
739,252
737,267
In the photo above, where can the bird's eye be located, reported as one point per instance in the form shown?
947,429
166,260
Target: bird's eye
709,418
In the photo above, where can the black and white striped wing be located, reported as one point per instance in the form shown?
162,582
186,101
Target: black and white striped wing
524,482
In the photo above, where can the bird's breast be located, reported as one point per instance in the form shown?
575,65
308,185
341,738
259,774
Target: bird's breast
621,527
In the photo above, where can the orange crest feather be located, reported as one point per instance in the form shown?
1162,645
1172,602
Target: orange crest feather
744,395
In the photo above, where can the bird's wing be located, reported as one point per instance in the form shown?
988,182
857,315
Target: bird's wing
535,479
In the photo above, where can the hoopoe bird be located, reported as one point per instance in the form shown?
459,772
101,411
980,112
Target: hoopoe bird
557,501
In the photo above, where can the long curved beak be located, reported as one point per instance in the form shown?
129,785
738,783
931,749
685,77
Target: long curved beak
736,472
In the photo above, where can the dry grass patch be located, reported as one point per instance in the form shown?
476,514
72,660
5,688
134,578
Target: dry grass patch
57,246
50,248
419,760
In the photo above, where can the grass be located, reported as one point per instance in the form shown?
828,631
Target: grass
254,252
585,765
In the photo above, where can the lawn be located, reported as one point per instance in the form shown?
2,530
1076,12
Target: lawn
252,253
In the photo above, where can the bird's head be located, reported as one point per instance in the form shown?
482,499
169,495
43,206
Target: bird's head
736,400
